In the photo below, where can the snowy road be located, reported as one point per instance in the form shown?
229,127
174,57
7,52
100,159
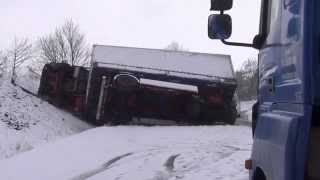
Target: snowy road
138,153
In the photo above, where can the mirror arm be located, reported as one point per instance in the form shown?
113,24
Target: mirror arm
236,43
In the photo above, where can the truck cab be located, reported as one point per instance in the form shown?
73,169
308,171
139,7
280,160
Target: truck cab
286,128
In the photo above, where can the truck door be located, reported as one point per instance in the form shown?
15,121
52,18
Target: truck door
281,134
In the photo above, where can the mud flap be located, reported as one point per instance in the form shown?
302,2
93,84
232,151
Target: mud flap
314,155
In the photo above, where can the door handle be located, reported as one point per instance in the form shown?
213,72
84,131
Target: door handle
271,85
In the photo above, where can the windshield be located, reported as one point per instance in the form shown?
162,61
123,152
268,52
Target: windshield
316,53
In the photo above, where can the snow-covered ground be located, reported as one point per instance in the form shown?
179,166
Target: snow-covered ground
35,143
27,122
29,80
144,153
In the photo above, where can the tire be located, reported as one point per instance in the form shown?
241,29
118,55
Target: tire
120,119
91,119
259,175
231,115
194,112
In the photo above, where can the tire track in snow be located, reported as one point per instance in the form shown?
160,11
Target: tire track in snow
169,165
101,168
172,173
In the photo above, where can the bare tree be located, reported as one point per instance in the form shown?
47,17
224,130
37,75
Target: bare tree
247,78
86,58
175,46
3,63
61,45
250,67
66,44
20,52
49,49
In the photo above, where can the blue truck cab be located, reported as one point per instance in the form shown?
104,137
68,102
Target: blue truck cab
286,118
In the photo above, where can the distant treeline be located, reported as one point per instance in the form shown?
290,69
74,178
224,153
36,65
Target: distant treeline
247,77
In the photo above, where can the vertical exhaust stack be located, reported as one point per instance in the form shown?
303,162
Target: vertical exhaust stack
101,97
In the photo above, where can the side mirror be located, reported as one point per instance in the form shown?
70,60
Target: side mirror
258,41
221,5
219,26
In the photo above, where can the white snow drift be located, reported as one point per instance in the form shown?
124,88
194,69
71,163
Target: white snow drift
138,153
115,153
26,121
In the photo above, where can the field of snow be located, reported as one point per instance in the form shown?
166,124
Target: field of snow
27,122
144,153
35,143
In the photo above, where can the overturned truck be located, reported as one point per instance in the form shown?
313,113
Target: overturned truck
125,84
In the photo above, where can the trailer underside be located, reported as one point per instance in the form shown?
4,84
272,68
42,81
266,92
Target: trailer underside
112,96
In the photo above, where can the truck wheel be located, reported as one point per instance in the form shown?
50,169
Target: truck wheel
231,121
97,122
259,175
194,113
121,119
94,122
231,116
90,118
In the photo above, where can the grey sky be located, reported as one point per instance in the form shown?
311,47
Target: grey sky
138,23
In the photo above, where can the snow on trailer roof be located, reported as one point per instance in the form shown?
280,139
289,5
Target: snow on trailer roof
190,64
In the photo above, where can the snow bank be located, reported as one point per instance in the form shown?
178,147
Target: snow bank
142,153
29,80
27,122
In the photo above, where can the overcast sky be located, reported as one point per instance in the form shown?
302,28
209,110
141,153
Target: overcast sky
136,23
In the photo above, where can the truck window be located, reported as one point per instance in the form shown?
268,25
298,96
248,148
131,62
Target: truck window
273,13
273,25
269,23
